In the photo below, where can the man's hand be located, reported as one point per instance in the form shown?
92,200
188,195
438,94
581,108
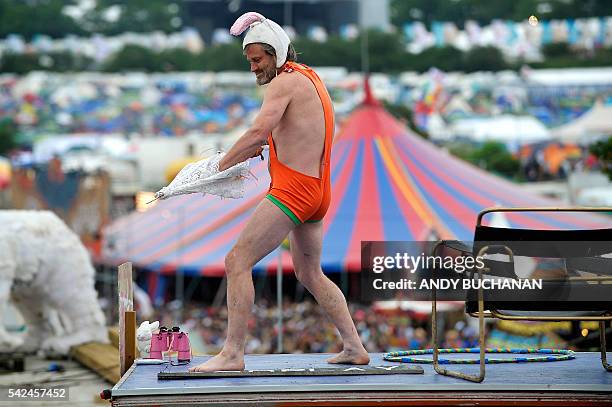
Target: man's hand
258,153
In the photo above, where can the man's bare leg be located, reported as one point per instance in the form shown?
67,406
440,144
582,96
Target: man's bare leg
306,242
264,232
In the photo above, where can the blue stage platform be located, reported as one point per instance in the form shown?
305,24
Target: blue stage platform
582,381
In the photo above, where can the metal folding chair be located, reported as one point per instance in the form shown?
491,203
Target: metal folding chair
567,245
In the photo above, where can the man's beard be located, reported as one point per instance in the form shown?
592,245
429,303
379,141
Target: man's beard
266,76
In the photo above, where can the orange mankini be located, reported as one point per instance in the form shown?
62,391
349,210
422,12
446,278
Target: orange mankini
302,197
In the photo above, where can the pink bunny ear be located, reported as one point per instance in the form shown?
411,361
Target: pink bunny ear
244,21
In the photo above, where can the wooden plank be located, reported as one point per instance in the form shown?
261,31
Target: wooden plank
102,358
312,371
126,303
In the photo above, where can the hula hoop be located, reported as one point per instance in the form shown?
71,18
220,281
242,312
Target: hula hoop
552,355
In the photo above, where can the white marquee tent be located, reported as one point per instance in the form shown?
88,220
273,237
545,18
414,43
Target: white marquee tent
594,123
506,129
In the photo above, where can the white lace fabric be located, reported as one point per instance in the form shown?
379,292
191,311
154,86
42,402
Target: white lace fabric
204,177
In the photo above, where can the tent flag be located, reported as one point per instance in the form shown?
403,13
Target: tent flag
387,184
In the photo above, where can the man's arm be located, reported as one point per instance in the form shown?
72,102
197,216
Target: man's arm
276,100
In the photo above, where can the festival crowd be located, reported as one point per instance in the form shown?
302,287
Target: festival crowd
307,329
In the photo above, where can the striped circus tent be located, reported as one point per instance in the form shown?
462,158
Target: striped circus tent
387,184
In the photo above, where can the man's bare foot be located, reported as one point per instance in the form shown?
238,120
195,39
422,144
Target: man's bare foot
351,357
220,362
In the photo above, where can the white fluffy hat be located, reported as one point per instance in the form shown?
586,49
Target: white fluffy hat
262,30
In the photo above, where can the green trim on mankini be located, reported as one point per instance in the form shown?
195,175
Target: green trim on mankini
284,208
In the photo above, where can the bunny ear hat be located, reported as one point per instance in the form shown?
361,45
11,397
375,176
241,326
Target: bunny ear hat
262,30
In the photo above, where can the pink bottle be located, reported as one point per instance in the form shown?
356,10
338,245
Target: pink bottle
159,343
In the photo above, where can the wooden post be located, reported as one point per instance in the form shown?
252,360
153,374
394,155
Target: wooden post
130,339
126,303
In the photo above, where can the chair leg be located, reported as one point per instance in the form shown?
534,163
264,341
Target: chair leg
481,341
602,344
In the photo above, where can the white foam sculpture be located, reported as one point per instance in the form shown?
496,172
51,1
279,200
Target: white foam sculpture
47,273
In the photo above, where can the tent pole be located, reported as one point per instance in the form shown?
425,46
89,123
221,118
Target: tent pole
179,276
279,300
299,291
363,34
220,296
179,291
260,284
193,285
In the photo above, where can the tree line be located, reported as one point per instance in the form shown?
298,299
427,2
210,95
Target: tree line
49,17
387,54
